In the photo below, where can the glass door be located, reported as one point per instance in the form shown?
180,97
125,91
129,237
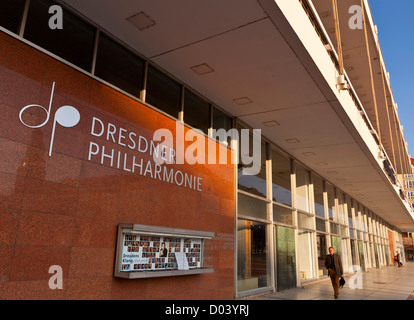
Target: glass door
376,255
336,244
322,252
285,258
361,255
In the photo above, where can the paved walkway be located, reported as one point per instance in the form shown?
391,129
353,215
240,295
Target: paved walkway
387,283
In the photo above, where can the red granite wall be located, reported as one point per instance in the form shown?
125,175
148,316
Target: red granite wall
64,209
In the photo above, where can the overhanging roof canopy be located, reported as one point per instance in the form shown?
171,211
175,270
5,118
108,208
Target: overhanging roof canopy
255,54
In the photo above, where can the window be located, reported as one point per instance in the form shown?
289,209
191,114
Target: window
349,209
331,202
340,208
74,43
11,13
221,121
251,207
118,66
322,251
281,173
282,215
196,111
320,225
305,255
255,184
163,92
334,228
318,196
302,188
253,270
305,221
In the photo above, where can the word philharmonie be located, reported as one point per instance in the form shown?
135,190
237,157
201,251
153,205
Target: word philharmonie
161,154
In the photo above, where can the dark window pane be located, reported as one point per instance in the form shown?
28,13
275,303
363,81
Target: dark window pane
252,207
253,267
282,215
163,92
320,225
73,43
331,202
318,196
11,12
119,66
281,173
255,184
196,112
221,121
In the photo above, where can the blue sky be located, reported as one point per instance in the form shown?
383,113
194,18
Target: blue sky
394,19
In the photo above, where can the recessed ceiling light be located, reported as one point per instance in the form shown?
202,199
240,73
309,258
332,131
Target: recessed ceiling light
325,14
142,21
242,101
308,154
202,69
272,123
292,140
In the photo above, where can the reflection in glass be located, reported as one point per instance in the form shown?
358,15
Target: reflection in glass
281,173
349,207
322,251
305,221
305,255
340,208
320,225
251,207
255,184
252,257
318,196
354,252
331,202
361,255
336,244
302,188
334,228
282,215
285,258
344,256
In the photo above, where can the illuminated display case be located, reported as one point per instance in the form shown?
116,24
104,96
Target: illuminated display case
150,251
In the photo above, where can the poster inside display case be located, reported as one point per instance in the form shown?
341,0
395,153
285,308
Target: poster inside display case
148,251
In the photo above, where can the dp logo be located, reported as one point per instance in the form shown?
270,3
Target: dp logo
66,116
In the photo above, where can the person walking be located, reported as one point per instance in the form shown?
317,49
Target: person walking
334,265
397,259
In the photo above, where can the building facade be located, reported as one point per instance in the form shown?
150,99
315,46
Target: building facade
85,89
409,185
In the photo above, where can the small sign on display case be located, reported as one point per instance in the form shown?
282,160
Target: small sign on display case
150,251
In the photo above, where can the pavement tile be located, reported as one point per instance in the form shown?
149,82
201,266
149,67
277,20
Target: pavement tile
386,283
